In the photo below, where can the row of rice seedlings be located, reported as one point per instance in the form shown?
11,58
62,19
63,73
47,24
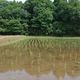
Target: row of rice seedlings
45,46
35,44
39,54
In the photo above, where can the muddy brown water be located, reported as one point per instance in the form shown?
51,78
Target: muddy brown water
39,63
32,68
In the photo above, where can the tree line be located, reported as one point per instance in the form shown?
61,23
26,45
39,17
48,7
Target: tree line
40,18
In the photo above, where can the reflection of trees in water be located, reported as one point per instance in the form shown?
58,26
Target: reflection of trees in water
38,60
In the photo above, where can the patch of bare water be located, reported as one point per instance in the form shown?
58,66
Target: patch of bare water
23,75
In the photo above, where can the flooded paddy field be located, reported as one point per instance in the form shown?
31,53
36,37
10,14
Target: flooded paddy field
39,58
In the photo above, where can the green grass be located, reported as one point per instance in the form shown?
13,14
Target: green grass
38,55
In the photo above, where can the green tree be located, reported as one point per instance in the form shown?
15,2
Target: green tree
67,17
40,16
15,27
3,26
15,14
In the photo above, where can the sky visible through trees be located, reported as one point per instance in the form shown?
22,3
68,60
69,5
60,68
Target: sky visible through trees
22,0
17,0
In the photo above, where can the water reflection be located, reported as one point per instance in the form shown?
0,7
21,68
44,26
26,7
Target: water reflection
23,75
52,62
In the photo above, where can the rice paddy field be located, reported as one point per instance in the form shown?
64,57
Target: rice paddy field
39,58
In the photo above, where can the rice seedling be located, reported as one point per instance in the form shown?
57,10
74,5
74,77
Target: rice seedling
39,55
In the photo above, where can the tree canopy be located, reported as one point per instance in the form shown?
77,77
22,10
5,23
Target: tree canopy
40,17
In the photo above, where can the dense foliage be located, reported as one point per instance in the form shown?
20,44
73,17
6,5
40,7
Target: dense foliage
40,17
